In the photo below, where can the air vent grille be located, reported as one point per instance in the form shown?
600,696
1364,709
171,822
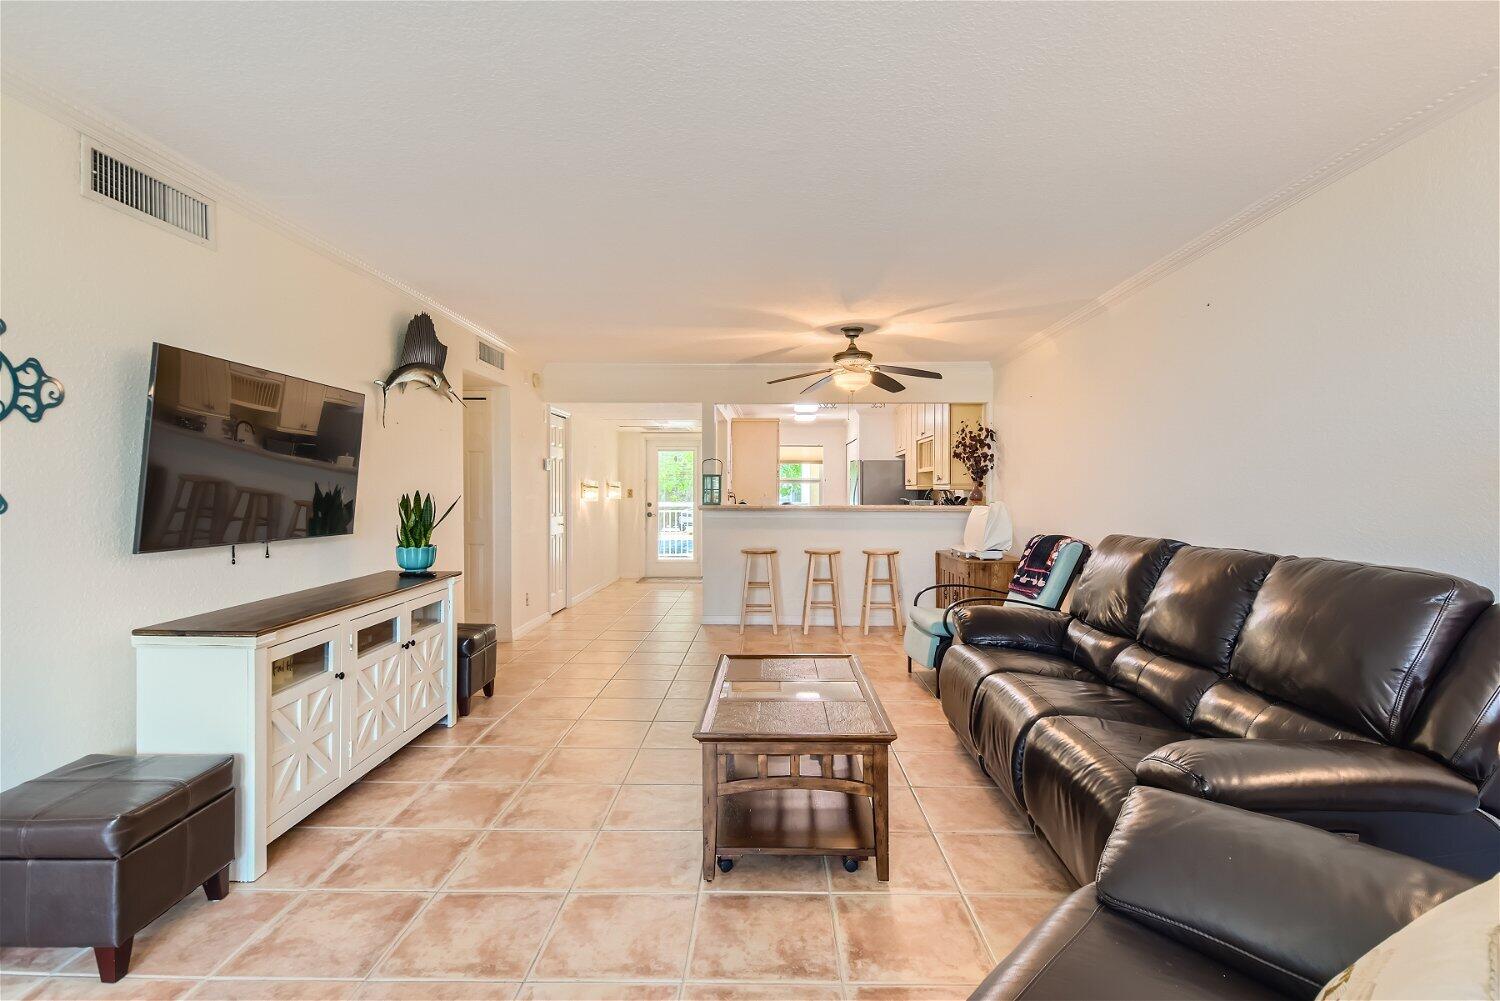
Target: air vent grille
111,178
491,355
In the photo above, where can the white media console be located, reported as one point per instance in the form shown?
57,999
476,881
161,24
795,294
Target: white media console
308,691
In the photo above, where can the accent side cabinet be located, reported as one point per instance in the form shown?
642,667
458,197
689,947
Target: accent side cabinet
308,691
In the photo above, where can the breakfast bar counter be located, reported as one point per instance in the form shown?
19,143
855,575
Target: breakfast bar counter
918,531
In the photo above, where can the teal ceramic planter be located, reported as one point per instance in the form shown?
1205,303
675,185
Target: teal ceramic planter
416,559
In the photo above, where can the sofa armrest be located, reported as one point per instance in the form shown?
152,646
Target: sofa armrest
1288,904
1274,775
1018,627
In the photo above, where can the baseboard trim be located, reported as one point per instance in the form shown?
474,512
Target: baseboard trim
575,599
527,627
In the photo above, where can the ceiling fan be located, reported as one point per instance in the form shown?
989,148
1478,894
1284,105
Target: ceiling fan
855,369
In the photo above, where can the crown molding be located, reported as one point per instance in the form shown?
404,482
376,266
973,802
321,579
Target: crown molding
117,134
1387,139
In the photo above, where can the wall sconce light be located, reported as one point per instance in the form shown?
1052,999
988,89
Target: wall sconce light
589,490
612,489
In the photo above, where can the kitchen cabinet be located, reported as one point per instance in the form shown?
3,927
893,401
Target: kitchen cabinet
301,407
755,460
203,385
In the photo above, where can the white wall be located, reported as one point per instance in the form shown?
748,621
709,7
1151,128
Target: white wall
877,433
87,289
594,549
832,435
1325,384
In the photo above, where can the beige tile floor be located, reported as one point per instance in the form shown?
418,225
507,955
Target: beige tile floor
548,847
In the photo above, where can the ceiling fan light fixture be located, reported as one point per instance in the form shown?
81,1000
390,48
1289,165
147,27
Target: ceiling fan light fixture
851,381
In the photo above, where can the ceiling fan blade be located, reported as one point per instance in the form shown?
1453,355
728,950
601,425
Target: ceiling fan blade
816,384
920,373
885,382
804,375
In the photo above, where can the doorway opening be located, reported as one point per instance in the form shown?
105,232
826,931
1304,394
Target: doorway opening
557,510
672,526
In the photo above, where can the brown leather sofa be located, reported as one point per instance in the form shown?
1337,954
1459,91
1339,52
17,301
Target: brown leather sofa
1201,900
1370,697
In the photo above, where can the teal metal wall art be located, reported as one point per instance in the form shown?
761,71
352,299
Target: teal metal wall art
25,389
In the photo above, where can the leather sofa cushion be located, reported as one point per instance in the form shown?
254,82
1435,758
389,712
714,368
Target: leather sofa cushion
1084,950
1275,776
1009,705
964,667
102,806
1229,709
474,637
1287,904
1460,721
1197,608
1093,648
1173,686
1118,579
1076,775
1354,643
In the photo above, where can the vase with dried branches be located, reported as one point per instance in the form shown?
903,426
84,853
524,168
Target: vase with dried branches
974,447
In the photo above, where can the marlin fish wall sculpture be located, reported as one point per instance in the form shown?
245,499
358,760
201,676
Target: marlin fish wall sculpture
421,363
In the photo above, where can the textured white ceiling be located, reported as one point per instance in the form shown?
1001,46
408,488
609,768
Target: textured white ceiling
710,182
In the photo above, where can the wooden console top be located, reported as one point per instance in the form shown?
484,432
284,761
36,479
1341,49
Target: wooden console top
256,618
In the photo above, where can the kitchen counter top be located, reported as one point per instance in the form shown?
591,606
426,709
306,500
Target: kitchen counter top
841,508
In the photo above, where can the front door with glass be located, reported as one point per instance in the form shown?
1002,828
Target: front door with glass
672,548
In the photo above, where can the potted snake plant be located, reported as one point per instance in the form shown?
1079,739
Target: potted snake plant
415,553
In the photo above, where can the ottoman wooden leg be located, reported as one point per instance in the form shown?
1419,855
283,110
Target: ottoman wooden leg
216,887
113,961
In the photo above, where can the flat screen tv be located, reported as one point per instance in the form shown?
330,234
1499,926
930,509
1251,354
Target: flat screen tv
238,455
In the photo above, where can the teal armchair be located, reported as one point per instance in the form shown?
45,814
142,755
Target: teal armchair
931,628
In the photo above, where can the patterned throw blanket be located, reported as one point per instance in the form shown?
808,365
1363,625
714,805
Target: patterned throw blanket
1036,564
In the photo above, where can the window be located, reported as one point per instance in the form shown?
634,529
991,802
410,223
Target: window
801,474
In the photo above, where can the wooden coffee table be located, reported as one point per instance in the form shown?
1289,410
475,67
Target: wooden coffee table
795,761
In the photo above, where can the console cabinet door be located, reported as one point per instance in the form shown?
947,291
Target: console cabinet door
375,683
429,662
306,715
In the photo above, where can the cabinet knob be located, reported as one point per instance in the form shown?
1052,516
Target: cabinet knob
340,676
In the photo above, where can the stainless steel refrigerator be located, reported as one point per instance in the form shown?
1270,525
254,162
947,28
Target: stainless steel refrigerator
877,481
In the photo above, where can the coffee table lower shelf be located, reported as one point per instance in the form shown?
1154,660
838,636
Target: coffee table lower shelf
795,822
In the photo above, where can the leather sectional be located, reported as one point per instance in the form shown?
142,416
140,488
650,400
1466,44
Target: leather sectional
1361,699
1272,909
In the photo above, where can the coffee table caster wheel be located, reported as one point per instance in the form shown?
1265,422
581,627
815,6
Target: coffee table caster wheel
851,864
725,864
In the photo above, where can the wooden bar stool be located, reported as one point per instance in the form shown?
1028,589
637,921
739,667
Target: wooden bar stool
892,582
772,573
809,602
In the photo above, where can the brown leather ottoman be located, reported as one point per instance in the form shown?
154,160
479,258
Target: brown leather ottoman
476,661
95,851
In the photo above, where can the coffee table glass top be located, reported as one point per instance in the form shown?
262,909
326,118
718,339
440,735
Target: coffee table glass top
825,696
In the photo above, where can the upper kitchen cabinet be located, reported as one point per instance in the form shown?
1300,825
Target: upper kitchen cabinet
924,440
203,385
301,407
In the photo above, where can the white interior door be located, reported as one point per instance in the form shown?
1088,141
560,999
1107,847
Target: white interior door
672,544
557,512
479,513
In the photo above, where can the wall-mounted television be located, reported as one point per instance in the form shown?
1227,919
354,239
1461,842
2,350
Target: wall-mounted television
236,455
